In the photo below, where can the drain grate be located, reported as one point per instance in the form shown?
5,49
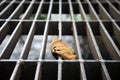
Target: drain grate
91,27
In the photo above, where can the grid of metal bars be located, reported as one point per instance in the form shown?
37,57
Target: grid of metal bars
102,32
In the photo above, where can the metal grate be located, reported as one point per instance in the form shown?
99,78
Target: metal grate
92,28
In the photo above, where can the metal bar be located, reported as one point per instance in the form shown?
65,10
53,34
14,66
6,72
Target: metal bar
2,12
92,41
103,13
16,72
43,46
20,6
60,37
28,42
112,48
117,1
6,10
12,41
60,24
7,51
92,13
75,31
105,73
95,46
114,12
15,75
45,32
2,3
83,75
42,61
104,70
59,69
4,29
38,72
116,30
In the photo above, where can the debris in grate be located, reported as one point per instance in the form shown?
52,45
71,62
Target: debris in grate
58,47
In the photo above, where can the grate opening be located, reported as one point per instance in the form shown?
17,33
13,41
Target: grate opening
77,13
113,69
1,23
33,11
7,32
83,41
118,23
49,71
14,45
6,72
27,73
8,10
2,6
96,8
111,31
116,5
4,43
36,42
19,45
110,9
93,71
65,8
96,31
103,49
87,12
19,14
68,67
99,10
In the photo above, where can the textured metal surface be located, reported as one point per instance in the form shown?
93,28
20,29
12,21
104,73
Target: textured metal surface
91,27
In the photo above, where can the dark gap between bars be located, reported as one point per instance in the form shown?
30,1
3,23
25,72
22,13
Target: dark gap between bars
27,73
3,6
108,8
20,13
83,41
109,26
118,23
37,41
93,71
86,9
77,14
21,42
1,23
116,5
9,10
44,12
5,39
49,71
95,28
101,14
71,71
31,15
113,70
6,72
